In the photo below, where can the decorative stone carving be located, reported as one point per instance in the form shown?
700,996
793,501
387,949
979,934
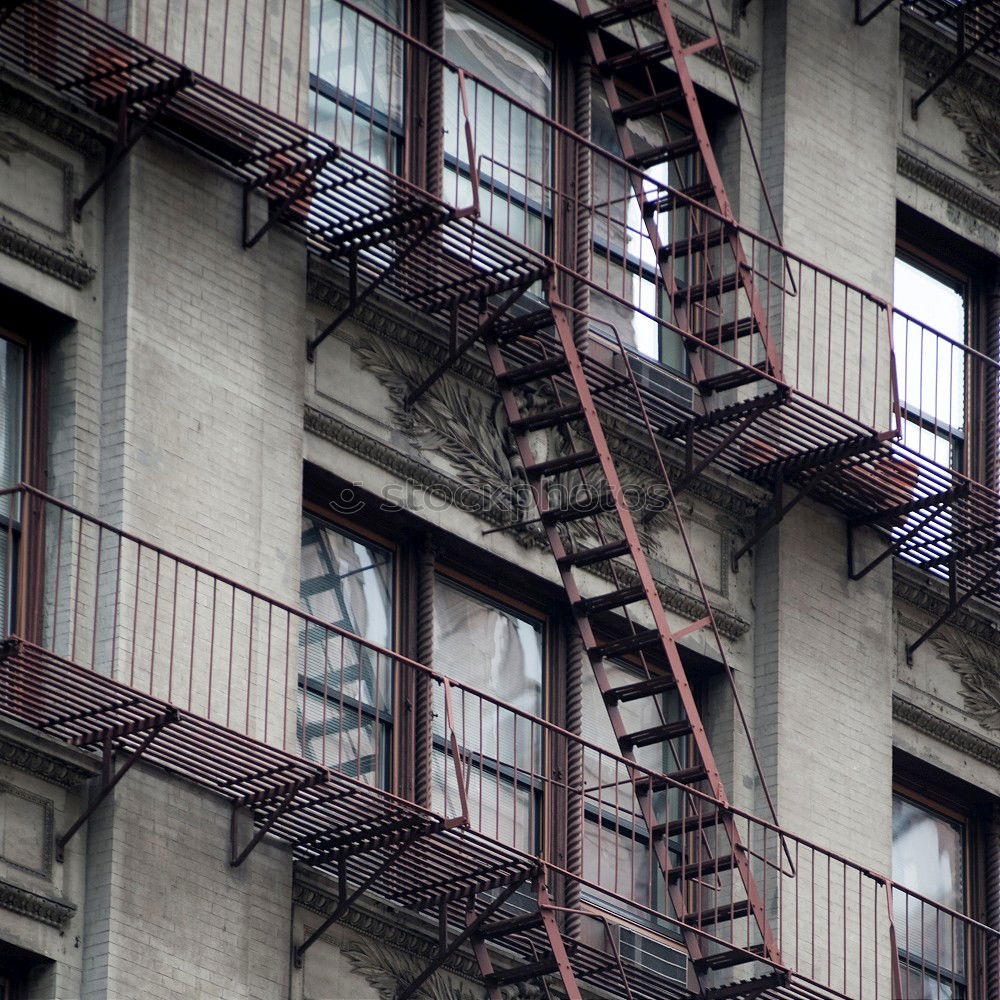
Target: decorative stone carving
931,597
978,667
944,731
44,909
979,121
35,761
65,265
937,181
25,830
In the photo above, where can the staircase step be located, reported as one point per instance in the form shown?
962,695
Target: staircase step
534,372
620,12
600,553
565,463
719,914
673,199
665,154
748,988
710,289
685,776
729,380
651,105
705,868
512,925
730,958
694,244
656,734
627,644
551,418
616,599
523,326
725,333
654,685
600,504
636,57
521,973
685,825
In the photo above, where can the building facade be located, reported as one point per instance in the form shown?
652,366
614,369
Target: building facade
500,499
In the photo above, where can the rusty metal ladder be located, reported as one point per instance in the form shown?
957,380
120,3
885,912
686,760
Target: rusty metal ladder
691,299
560,377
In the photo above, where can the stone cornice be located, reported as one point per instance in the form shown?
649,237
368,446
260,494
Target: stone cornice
342,434
44,909
61,123
68,267
927,51
960,195
944,731
931,598
26,752
743,66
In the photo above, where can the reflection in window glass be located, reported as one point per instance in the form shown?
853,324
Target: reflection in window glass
347,688
931,367
928,857
356,78
512,147
618,852
500,652
624,261
11,413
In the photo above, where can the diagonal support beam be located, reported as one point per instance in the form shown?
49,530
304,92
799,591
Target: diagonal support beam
129,136
276,212
963,55
357,298
110,777
470,930
287,791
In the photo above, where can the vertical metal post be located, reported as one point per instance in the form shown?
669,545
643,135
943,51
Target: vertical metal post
424,693
583,198
575,666
992,957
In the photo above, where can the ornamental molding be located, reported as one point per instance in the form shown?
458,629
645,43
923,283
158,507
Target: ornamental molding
66,265
410,332
938,182
44,909
979,122
48,766
944,731
43,869
744,67
925,596
926,57
61,124
331,428
977,664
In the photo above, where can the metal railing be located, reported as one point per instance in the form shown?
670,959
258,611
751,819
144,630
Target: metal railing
112,603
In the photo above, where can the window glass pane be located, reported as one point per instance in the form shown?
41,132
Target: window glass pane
346,701
356,76
497,651
512,148
932,368
11,413
928,857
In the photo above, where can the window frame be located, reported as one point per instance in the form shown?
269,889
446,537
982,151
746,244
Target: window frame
388,731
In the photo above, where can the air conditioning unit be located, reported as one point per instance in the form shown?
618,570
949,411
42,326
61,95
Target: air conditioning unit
653,954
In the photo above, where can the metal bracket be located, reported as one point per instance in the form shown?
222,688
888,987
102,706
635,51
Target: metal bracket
311,169
109,776
446,949
963,55
863,19
129,136
357,298
287,791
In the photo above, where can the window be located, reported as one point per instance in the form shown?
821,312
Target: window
513,149
931,338
929,857
345,718
623,258
356,79
618,853
493,648
13,377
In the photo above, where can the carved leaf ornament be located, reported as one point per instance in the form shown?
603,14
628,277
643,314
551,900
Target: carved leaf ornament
978,666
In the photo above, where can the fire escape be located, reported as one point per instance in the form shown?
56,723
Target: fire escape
742,307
